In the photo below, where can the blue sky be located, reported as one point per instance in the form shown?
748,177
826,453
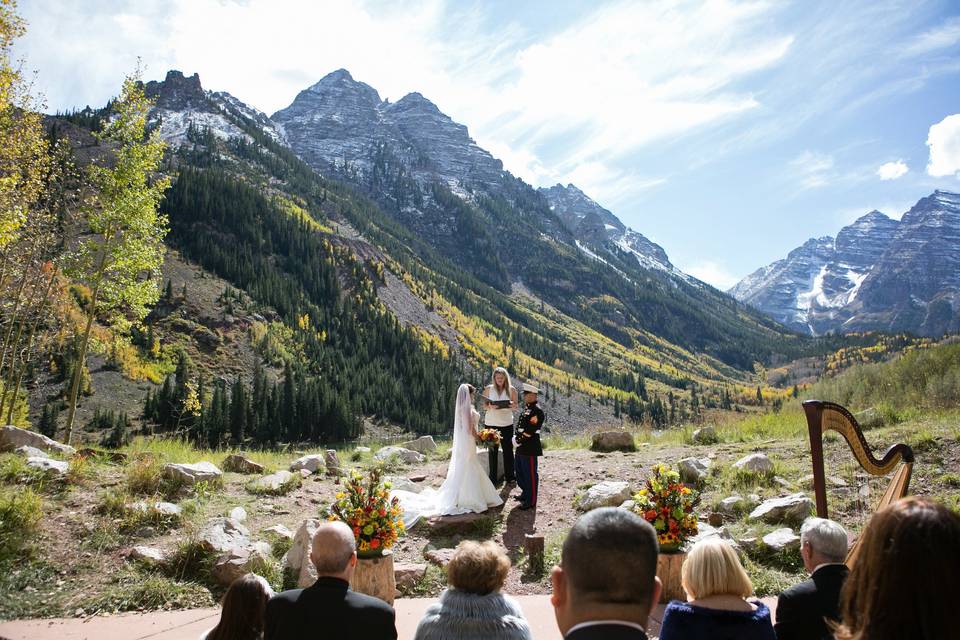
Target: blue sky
729,132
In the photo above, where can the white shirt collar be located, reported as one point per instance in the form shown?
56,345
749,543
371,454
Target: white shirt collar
594,623
825,564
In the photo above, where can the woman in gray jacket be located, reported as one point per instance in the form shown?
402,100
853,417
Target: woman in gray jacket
473,608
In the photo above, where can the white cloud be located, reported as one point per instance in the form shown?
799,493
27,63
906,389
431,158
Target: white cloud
944,142
940,37
712,273
892,170
812,169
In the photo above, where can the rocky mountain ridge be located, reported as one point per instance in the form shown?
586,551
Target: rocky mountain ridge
877,274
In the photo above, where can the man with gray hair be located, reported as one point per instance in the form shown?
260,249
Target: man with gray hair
803,611
329,608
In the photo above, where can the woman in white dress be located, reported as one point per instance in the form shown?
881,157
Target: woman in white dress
467,489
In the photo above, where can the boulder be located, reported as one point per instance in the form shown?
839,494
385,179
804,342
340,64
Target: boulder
483,457
273,483
732,505
223,534
30,452
239,561
147,555
423,444
408,574
420,477
162,508
694,470
782,539
312,463
405,456
297,558
705,531
400,483
793,508
12,437
440,557
52,468
279,531
191,474
604,494
239,514
332,462
238,464
628,505
613,441
362,449
757,463
705,435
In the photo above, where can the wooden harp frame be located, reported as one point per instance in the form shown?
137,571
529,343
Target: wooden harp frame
822,416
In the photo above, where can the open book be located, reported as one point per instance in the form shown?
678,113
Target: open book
499,404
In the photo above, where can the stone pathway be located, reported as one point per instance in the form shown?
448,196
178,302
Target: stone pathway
189,624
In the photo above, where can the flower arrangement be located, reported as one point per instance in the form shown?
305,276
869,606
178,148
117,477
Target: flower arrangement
489,437
365,505
668,505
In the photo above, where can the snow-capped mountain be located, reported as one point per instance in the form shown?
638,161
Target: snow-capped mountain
877,274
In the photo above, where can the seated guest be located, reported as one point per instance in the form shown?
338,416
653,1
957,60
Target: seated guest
606,583
473,607
329,608
717,590
905,581
805,611
241,617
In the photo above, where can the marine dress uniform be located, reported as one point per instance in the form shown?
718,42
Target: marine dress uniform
529,448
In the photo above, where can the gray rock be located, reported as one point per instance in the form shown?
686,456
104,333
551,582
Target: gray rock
297,558
423,444
793,508
628,505
731,505
30,452
52,468
147,555
408,574
757,463
223,534
273,483
405,456
705,435
239,464
613,441
604,494
279,531
483,456
239,514
239,561
786,484
362,449
12,437
162,508
312,463
694,470
400,483
191,474
332,462
440,557
782,539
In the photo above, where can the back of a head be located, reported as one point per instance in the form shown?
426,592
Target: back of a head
244,605
333,547
478,567
827,538
610,558
713,568
906,576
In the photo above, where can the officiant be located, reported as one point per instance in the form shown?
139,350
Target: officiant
500,401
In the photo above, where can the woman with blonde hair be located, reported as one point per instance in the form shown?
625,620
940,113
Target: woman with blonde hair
473,608
717,607
500,399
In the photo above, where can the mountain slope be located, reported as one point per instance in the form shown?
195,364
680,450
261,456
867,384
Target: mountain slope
878,274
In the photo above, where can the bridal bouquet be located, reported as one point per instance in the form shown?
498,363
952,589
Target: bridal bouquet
365,505
668,505
489,437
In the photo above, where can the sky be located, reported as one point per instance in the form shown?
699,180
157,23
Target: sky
728,132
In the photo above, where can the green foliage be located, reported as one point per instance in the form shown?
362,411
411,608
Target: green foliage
20,514
133,591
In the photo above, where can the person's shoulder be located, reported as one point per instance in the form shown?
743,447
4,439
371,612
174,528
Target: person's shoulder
368,603
285,597
798,591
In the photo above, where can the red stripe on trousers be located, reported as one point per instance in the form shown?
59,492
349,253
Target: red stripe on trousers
533,478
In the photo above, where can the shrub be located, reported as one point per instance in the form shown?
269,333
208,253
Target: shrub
144,476
20,513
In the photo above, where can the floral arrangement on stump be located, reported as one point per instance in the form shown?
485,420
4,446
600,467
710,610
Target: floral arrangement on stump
667,504
489,438
365,505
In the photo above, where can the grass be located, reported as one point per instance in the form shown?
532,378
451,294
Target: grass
20,514
134,591
293,482
127,518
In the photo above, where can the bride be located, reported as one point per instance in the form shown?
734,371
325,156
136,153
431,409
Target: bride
467,487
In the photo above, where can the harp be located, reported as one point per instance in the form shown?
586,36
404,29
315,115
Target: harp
897,460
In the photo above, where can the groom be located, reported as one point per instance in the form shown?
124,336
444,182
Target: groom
529,448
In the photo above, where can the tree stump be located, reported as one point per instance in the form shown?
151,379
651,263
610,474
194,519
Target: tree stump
668,570
533,546
375,577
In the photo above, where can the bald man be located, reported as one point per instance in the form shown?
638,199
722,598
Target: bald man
328,608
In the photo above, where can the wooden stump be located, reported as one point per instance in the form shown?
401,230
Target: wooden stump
533,545
375,577
668,570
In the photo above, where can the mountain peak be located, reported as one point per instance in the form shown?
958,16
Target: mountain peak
340,83
417,101
177,91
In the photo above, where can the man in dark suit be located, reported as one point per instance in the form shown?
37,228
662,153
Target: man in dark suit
606,584
804,609
328,608
529,449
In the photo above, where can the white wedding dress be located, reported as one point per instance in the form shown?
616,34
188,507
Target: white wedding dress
467,488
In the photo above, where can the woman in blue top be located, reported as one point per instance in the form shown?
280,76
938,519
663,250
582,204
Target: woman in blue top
717,607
